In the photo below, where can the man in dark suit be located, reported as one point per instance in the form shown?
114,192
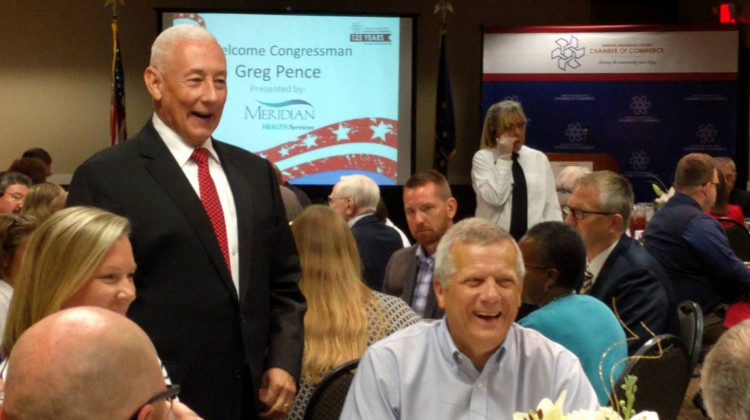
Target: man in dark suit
217,278
355,198
619,267
430,208
737,196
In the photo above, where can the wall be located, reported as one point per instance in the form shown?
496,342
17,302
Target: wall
56,58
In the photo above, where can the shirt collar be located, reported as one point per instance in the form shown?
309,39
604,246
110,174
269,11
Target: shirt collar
177,146
596,264
356,218
460,361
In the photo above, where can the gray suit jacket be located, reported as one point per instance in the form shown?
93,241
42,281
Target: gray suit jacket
401,277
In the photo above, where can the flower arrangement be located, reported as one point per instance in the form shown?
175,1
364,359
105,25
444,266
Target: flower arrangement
663,194
546,410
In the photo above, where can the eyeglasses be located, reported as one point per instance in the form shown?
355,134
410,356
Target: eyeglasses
169,395
14,197
331,199
580,214
511,126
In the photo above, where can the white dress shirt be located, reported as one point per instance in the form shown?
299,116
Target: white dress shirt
492,179
182,153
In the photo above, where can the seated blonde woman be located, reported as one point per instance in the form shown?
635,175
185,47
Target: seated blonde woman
80,256
343,316
42,200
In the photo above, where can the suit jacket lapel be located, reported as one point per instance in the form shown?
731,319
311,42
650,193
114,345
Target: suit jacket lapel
600,287
410,275
239,182
165,171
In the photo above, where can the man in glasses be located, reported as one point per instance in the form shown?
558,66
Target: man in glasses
88,363
693,248
619,268
13,189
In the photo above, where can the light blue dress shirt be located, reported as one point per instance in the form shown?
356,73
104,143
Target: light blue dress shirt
418,373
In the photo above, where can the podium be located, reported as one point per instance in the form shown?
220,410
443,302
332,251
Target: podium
593,161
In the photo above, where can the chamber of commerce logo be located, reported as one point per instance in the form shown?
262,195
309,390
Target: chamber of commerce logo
576,133
639,160
640,105
706,133
568,53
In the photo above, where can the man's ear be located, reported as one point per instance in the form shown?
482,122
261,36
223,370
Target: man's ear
146,413
617,222
154,82
439,292
452,205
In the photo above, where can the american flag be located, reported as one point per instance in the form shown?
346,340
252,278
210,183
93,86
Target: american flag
117,130
445,123
363,144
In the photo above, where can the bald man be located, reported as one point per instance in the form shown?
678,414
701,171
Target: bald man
87,363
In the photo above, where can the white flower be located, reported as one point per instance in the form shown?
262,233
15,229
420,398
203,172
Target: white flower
662,199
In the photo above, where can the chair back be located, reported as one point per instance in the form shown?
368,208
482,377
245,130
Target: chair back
327,401
662,377
691,327
739,237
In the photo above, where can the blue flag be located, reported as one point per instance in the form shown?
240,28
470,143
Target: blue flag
445,123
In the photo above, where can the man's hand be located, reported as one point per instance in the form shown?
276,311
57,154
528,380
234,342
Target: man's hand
505,146
182,412
276,393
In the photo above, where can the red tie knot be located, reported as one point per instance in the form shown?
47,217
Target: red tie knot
200,155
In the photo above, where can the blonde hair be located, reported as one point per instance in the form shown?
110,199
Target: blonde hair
61,257
43,199
497,116
337,299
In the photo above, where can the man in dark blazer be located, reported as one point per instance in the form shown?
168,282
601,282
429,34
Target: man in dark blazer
619,268
430,208
355,198
223,308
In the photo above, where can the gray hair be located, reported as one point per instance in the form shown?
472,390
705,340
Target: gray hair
615,193
170,36
726,163
12,178
725,377
362,190
473,230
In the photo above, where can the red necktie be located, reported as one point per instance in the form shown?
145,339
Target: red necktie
211,203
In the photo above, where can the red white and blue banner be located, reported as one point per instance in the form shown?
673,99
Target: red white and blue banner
645,94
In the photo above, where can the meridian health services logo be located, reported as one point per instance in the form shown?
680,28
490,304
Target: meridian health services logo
706,133
567,53
639,160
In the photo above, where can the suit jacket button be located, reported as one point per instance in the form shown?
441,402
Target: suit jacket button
237,373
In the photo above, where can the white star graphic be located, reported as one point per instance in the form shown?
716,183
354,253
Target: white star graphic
284,151
310,141
379,131
342,133
263,156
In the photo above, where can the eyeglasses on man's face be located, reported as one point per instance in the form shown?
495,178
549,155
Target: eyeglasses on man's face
169,395
580,214
332,199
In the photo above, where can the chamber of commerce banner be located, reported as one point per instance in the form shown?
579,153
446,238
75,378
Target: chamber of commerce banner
647,95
